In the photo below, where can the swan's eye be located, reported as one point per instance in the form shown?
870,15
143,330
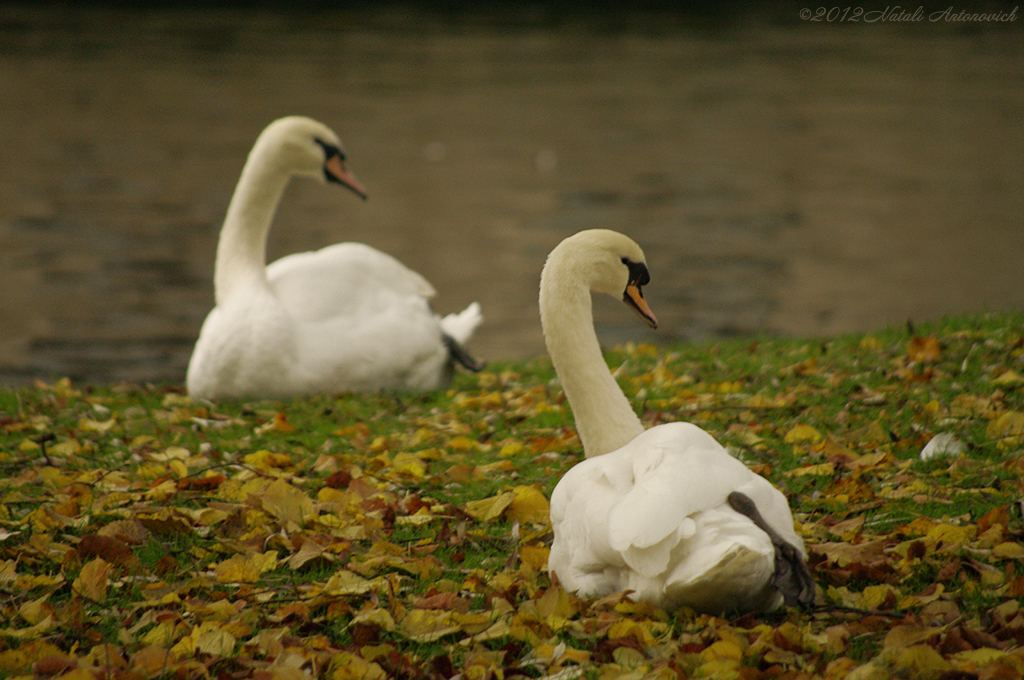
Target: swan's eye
638,273
330,150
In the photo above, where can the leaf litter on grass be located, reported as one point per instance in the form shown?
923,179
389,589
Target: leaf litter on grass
144,535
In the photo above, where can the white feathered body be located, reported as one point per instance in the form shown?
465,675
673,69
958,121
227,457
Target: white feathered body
344,318
652,517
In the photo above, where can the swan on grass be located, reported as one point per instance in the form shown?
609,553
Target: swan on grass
343,318
666,513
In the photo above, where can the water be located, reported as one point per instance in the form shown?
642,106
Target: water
781,177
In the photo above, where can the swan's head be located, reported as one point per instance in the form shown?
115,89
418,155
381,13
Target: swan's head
303,146
607,262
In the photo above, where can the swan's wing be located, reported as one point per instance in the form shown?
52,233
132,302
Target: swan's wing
581,555
341,280
678,470
681,479
395,345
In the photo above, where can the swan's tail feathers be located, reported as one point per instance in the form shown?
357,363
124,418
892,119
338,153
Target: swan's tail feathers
792,578
461,326
459,354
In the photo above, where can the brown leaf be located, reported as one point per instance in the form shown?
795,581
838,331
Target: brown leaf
948,571
438,601
207,483
997,515
845,553
128,530
338,480
907,635
55,664
112,550
924,350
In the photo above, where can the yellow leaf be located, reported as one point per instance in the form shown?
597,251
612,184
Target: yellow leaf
408,464
980,657
921,661
348,666
428,625
30,633
639,631
344,582
265,460
803,433
92,580
288,504
528,505
68,447
511,449
89,425
1012,551
210,638
1009,377
949,536
491,508
919,526
534,557
819,470
309,551
178,468
722,650
1008,428
376,616
36,610
555,607
172,453
718,668
907,635
880,597
161,635
12,660
462,443
245,569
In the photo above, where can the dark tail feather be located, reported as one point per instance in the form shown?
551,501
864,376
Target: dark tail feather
792,577
459,353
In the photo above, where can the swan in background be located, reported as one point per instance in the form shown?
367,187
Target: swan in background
344,318
667,513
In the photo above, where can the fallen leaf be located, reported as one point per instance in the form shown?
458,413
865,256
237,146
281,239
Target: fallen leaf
92,580
924,350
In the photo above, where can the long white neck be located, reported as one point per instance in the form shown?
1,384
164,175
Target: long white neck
242,249
604,419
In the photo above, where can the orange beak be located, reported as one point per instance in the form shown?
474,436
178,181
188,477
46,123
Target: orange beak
634,297
335,170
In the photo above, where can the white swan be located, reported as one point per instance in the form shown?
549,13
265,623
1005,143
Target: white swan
666,512
347,317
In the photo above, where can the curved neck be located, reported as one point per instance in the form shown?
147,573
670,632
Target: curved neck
604,418
242,248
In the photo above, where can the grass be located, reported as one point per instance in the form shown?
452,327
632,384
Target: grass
396,490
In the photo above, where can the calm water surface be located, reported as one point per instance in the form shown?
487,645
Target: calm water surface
785,178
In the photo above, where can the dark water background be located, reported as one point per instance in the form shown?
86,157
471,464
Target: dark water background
782,176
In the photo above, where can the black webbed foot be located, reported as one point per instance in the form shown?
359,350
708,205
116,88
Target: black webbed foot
792,578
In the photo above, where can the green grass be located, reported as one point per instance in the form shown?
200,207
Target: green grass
78,458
